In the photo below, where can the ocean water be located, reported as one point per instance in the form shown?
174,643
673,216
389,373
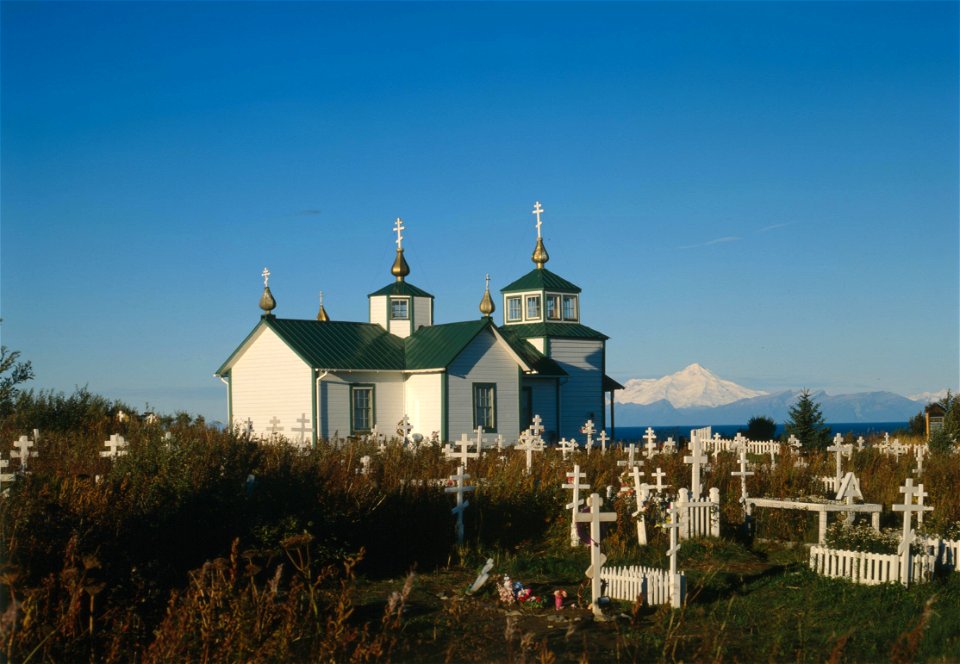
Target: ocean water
630,434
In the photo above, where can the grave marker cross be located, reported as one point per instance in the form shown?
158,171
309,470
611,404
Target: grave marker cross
117,446
459,488
651,445
23,451
743,473
603,442
464,453
837,448
588,430
660,486
909,535
631,460
641,492
595,517
573,482
696,459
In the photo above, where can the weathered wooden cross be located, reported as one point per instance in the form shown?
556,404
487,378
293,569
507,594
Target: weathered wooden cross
459,488
595,517
837,448
573,482
908,535
651,445
631,459
117,446
743,474
603,441
588,430
465,454
660,486
641,493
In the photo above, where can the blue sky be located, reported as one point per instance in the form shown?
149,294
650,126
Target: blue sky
768,189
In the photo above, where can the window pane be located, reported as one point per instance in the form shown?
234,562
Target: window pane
570,307
553,307
514,310
399,309
484,400
533,306
362,408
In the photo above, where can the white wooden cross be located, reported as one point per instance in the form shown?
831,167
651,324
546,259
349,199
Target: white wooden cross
465,454
565,447
909,535
696,459
837,448
588,430
499,443
918,453
5,478
651,445
631,459
573,482
860,442
398,227
479,442
538,210
303,421
743,473
482,577
459,488
23,451
266,277
660,486
641,493
669,446
536,429
527,445
595,517
117,446
121,416
404,428
275,425
603,441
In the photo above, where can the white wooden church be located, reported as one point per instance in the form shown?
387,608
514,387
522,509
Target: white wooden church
310,380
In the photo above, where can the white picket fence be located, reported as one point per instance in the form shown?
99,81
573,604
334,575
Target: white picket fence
699,517
868,568
654,586
945,552
764,447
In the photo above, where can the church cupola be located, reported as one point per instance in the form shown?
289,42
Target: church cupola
487,307
267,302
400,307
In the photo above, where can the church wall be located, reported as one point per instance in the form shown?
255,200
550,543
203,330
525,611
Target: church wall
484,360
269,380
378,310
423,402
334,405
544,393
421,312
582,393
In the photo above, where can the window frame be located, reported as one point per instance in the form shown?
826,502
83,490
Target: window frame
399,300
576,307
519,300
354,389
558,304
526,307
492,387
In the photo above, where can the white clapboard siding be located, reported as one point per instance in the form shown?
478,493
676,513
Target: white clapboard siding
422,312
545,404
865,568
581,396
484,360
423,402
335,404
652,586
378,310
269,380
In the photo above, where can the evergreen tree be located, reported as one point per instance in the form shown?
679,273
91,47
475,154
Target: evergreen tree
807,424
761,428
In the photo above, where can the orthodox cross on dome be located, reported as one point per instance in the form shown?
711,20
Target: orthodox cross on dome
398,227
538,210
266,277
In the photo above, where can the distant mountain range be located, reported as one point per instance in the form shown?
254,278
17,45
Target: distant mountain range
697,396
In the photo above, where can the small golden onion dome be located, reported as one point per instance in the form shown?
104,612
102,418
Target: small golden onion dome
400,268
267,303
540,255
322,315
487,307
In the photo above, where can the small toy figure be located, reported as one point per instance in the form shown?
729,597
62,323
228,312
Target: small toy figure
558,597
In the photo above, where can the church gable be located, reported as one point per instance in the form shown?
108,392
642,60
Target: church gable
483,387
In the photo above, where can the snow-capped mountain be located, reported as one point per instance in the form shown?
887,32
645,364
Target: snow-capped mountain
691,387
929,397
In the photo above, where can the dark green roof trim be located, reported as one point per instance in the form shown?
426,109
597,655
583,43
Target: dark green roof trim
562,330
540,363
541,279
609,384
401,288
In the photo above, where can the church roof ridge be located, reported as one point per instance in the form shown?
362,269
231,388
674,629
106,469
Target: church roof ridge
561,330
401,288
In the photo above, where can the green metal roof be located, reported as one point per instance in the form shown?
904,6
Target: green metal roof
541,279
339,345
401,288
540,363
335,344
436,346
563,330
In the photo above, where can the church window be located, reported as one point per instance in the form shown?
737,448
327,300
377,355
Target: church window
553,307
514,308
400,309
533,307
570,307
361,408
485,406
